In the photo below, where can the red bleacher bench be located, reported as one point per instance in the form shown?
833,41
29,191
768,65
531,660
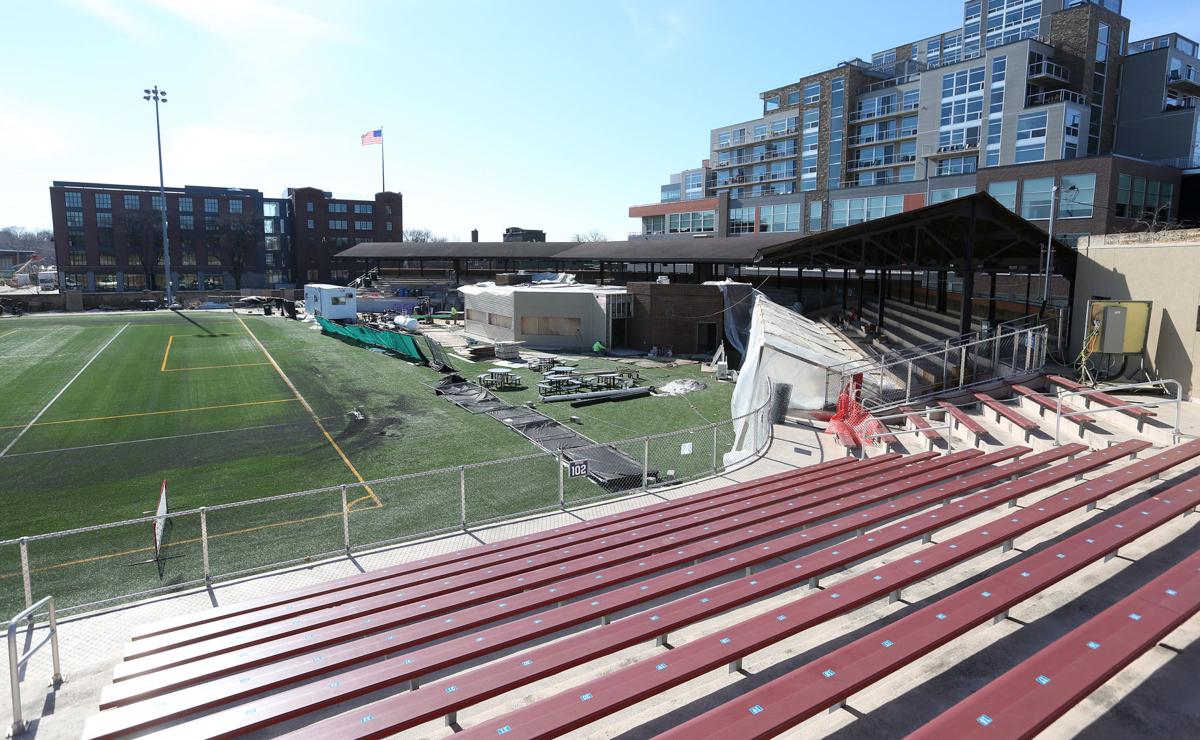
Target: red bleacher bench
411,665
1015,417
1048,403
1031,696
1101,398
649,678
802,693
613,691
914,417
964,420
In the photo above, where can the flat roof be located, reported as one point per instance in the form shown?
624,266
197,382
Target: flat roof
715,249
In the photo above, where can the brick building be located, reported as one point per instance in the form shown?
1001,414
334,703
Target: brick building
108,237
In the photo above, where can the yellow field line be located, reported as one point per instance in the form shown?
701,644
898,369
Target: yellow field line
155,413
316,419
167,354
189,541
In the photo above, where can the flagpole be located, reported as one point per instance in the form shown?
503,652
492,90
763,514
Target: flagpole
382,167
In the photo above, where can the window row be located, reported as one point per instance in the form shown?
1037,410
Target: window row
1139,197
857,210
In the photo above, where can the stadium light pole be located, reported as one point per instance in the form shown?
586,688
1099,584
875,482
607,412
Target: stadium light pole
160,96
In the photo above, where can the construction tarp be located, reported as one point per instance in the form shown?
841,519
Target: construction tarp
401,344
783,347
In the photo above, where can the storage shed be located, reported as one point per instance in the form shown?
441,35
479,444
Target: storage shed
554,315
333,302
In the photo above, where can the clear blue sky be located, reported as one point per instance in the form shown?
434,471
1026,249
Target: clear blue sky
553,115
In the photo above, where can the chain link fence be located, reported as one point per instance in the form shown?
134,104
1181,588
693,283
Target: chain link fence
102,565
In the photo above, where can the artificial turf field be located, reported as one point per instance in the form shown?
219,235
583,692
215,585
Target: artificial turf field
97,410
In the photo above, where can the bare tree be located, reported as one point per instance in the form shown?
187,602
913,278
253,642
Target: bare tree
38,241
242,235
144,241
595,235
421,235
1157,220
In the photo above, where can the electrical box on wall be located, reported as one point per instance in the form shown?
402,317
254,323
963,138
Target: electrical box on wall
1118,327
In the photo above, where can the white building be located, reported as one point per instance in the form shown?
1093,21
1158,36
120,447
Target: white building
333,302
557,315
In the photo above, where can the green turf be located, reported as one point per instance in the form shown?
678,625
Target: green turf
235,431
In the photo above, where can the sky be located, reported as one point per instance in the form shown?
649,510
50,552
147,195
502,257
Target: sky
545,114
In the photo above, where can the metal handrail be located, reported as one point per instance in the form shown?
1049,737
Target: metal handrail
1178,401
16,659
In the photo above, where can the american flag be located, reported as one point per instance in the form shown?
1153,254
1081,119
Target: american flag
372,137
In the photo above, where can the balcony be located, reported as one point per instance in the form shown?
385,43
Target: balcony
775,134
1049,74
1050,97
891,110
888,161
1184,82
892,135
892,82
950,150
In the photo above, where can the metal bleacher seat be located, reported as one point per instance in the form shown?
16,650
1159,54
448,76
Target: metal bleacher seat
1029,697
838,500
801,693
446,696
274,677
1014,417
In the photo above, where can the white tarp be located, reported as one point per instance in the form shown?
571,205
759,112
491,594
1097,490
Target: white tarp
784,347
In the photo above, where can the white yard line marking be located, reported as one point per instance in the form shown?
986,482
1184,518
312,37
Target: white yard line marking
61,391
160,439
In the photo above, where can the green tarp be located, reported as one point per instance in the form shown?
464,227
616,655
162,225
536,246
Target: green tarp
401,344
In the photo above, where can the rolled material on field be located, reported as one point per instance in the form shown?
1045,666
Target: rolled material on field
617,394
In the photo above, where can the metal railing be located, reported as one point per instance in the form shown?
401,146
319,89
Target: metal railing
86,568
891,110
925,414
1062,395
1046,68
1050,97
885,161
969,360
16,658
889,135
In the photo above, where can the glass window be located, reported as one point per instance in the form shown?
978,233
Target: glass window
1005,192
104,220
1035,197
156,203
75,219
311,224
106,282
772,103
210,205
812,119
1031,126
103,200
187,222
74,200
782,217
337,207
814,215
235,206
132,202
1078,193
812,93
741,221
793,97
363,226
270,209
363,208
338,224
185,205
940,195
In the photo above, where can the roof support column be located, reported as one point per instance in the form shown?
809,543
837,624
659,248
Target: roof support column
992,298
881,284
968,275
1028,280
845,285
940,304
912,288
823,288
861,282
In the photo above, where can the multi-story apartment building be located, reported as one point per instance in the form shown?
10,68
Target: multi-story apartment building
109,237
1025,97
